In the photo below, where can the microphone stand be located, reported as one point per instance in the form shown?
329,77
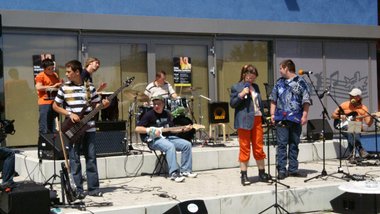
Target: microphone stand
324,115
340,170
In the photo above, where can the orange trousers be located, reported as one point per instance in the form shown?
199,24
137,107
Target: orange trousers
252,137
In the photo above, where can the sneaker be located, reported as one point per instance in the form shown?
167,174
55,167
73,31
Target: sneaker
177,177
95,193
189,174
297,174
363,153
281,176
264,177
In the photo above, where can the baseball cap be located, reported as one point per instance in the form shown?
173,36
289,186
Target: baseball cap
158,98
355,92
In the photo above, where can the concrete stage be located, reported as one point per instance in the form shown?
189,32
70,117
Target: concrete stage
218,182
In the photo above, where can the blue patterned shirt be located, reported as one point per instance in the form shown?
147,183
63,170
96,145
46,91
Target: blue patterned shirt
289,96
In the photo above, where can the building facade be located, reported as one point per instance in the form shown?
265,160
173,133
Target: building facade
334,39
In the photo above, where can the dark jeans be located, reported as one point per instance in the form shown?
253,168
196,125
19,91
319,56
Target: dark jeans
46,120
87,146
8,156
288,138
353,139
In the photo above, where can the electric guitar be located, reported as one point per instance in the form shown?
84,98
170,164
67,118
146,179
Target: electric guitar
67,178
73,131
152,136
352,116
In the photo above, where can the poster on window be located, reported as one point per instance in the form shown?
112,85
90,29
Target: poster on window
37,59
182,71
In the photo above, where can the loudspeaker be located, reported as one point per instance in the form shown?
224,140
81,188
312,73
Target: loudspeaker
315,127
50,145
355,203
110,143
218,112
25,198
190,207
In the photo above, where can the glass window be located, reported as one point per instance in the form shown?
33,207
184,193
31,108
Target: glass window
232,56
20,94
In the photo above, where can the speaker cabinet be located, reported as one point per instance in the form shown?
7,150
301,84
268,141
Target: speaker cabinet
110,143
315,127
26,198
110,138
49,145
188,207
218,112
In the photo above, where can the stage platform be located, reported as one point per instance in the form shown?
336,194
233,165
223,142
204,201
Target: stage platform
217,184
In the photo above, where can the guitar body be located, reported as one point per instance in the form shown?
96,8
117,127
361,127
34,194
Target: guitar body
73,131
342,124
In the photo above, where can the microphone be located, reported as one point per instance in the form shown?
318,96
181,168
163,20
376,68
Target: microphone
353,101
326,91
302,72
246,85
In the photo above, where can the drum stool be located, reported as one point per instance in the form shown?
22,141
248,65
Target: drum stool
212,130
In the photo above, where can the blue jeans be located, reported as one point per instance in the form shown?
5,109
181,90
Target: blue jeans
288,138
46,120
352,141
8,156
170,145
87,146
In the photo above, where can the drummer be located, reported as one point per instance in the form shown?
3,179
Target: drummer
160,87
47,84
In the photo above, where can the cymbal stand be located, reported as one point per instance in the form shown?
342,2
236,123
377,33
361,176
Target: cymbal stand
203,135
131,115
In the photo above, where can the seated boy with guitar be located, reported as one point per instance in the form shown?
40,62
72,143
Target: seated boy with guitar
156,129
353,110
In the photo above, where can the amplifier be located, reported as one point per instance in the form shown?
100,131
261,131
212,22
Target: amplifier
218,112
25,198
111,125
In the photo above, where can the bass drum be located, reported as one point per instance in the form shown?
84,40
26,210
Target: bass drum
183,121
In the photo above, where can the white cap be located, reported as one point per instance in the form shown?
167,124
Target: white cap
355,92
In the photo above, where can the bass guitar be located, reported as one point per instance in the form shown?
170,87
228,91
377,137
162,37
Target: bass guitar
73,131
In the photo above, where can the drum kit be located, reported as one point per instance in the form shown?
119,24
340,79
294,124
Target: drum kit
181,109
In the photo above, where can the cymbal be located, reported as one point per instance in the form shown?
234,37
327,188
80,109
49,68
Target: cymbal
190,89
134,94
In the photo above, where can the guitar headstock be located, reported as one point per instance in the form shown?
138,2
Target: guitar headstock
128,81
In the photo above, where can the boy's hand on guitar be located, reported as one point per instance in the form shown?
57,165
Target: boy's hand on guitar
74,118
188,128
105,103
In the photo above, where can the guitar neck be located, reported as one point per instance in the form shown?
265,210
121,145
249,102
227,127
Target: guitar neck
89,116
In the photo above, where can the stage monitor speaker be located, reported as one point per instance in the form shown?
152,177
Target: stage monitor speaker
49,145
111,138
25,198
218,112
188,207
315,127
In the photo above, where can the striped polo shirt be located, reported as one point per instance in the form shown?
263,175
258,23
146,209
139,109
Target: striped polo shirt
74,98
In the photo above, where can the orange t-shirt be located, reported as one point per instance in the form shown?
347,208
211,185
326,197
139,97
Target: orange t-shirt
45,80
348,108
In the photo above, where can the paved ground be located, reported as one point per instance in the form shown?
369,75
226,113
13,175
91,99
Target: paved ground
132,191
